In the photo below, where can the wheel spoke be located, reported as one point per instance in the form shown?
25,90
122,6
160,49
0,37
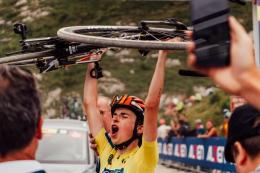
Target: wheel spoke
134,35
152,36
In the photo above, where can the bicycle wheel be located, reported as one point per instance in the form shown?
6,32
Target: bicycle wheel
25,56
123,36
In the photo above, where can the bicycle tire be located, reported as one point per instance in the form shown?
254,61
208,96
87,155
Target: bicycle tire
75,33
25,56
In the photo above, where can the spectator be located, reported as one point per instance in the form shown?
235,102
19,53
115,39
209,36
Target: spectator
179,106
20,121
170,109
163,129
198,130
224,126
236,101
211,131
243,141
64,109
77,108
104,109
173,131
103,105
71,105
199,127
184,129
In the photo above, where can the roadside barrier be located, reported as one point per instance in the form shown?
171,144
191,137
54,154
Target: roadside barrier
205,153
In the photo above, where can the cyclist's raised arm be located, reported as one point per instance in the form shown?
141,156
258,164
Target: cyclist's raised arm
94,118
153,99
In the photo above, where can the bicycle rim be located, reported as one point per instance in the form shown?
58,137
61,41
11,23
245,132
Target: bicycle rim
122,36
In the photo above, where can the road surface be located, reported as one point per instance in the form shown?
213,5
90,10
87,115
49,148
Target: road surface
164,169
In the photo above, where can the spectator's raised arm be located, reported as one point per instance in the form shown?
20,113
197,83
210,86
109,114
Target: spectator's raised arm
242,76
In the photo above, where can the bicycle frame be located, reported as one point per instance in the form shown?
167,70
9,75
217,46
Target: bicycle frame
47,53
51,53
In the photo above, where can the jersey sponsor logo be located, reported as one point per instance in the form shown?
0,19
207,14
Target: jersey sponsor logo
113,171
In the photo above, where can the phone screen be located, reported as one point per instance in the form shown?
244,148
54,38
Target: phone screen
211,32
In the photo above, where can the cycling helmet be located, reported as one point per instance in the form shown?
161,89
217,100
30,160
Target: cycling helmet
133,103
136,105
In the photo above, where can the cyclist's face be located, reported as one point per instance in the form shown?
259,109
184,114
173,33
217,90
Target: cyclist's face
122,127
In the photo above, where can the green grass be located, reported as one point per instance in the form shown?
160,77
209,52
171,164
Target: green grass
210,108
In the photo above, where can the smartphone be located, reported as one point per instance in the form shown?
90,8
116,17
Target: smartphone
211,32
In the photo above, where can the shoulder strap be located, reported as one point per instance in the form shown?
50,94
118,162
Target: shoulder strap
109,140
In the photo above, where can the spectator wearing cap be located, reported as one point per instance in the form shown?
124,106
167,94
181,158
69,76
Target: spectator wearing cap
199,127
224,126
243,141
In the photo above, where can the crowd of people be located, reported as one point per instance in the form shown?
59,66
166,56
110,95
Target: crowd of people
71,108
133,126
182,128
180,125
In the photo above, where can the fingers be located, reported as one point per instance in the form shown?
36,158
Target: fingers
166,52
176,39
93,144
190,50
236,29
191,55
93,147
102,51
91,139
192,64
191,47
189,34
191,60
90,135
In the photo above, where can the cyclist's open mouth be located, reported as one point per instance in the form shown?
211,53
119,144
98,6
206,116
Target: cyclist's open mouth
114,129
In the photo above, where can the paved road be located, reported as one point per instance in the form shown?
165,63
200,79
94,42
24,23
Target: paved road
164,169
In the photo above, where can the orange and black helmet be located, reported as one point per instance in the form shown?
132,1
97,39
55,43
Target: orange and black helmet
133,103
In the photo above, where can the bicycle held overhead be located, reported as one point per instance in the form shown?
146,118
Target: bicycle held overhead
75,45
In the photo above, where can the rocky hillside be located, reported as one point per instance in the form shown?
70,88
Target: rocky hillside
125,71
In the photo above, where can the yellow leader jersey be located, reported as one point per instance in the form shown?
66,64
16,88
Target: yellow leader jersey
138,160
